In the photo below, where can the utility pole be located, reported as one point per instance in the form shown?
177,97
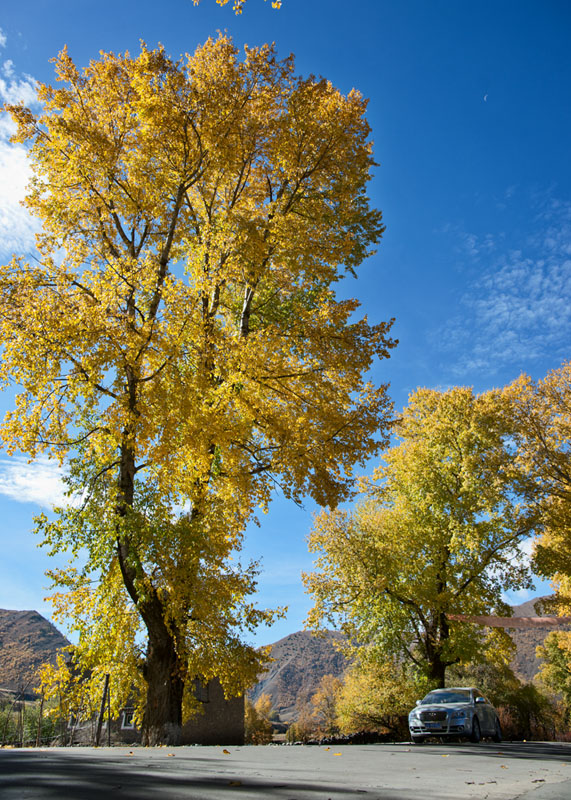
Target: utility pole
102,711
108,713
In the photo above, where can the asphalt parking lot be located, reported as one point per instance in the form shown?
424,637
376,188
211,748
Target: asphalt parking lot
510,771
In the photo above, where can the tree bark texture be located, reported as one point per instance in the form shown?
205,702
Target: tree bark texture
162,721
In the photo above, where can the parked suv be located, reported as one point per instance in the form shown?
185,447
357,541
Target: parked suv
457,711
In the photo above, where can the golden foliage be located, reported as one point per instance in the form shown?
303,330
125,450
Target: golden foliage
177,340
376,696
324,703
258,727
437,533
304,728
541,416
195,215
555,671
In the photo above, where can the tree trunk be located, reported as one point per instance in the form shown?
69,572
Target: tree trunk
435,641
438,672
163,670
164,675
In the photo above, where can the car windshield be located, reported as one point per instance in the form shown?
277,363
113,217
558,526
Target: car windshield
453,696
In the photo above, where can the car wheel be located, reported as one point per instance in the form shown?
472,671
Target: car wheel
476,735
497,737
417,739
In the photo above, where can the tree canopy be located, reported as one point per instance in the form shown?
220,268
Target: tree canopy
177,340
540,412
436,533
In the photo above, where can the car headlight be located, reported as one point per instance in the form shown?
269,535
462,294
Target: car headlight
459,714
414,714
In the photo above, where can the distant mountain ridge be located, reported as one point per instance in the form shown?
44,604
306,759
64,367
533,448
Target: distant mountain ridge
300,661
27,640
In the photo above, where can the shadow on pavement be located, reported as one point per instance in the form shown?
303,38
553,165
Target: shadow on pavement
546,751
55,776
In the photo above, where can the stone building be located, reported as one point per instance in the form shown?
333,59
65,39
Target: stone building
221,722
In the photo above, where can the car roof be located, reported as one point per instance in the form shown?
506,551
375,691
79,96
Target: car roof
455,689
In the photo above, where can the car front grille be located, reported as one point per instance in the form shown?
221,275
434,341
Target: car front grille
433,716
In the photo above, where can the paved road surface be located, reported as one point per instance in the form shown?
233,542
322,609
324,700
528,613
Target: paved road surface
526,771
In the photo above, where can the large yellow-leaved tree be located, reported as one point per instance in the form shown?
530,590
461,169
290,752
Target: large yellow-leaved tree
177,340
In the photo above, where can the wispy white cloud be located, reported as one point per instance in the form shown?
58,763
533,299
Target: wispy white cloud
38,482
518,308
284,573
17,228
17,89
526,547
3,39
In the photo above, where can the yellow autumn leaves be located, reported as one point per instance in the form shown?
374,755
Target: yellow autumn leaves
177,343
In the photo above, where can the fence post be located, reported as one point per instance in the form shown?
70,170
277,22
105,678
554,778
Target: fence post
39,733
21,711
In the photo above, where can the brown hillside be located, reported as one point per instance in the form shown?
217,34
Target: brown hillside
526,664
301,660
27,641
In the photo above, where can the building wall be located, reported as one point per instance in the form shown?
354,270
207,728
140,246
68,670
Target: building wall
222,721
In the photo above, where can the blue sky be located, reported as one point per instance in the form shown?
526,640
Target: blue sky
471,119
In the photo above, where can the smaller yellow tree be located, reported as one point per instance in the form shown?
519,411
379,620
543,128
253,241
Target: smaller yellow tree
258,726
324,703
555,672
377,696
304,728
